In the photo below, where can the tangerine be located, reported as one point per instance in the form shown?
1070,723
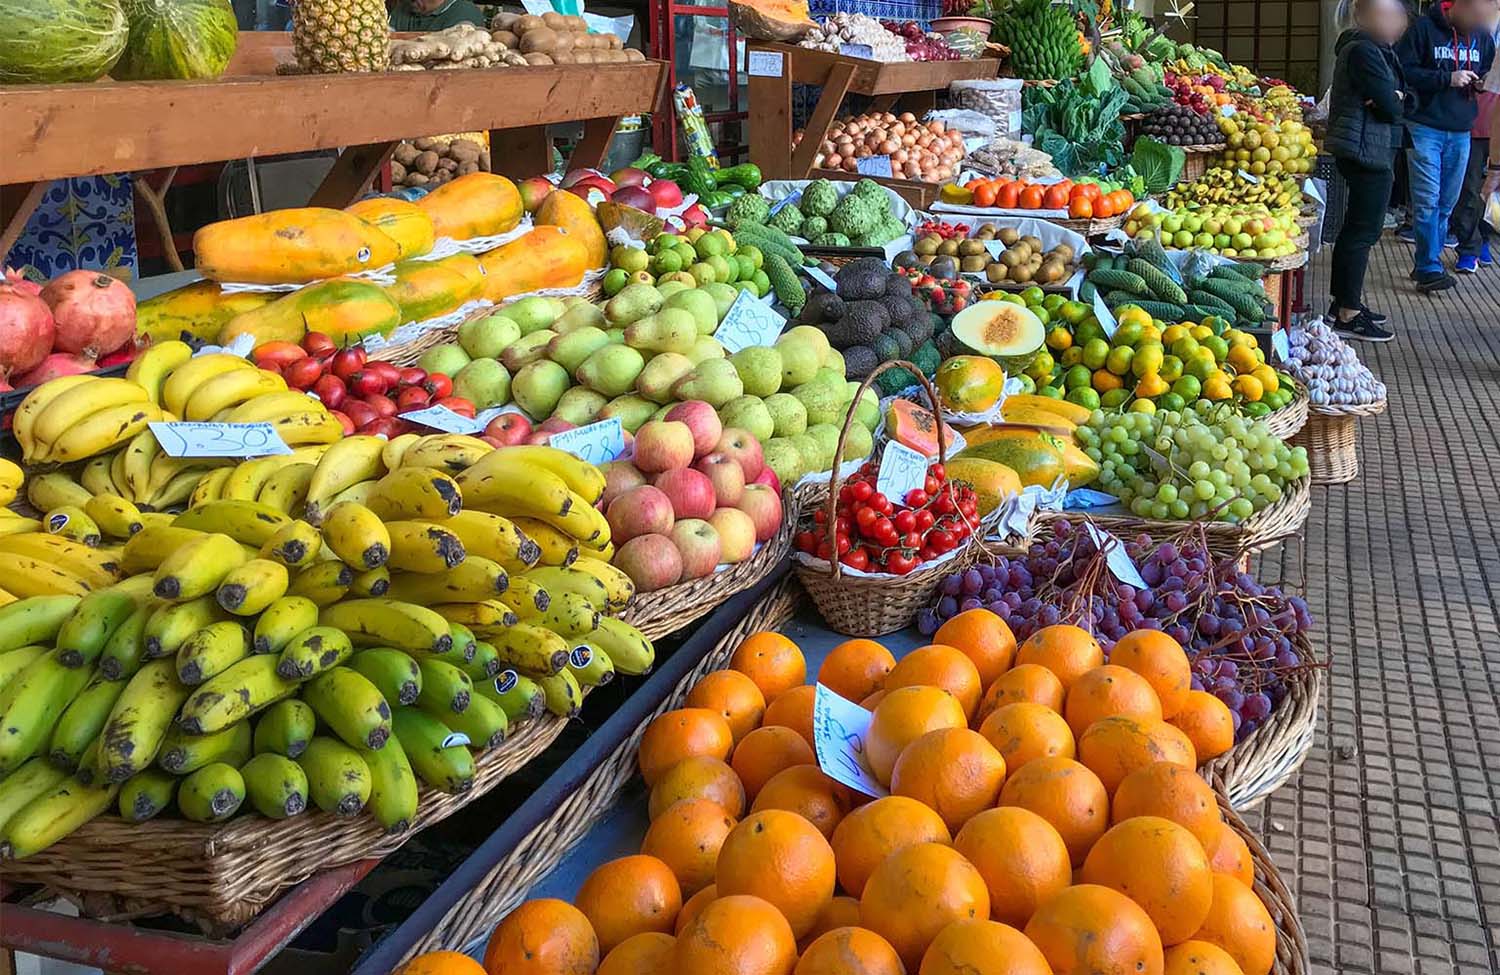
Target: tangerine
629,896
680,734
841,912
648,952
734,696
782,858
1066,650
875,831
1026,732
442,963
766,751
737,935
1161,867
1021,857
916,892
906,714
1115,747
1200,958
542,937
772,661
981,947
806,791
870,702
698,777
1207,722
1161,661
1171,792
1022,683
1091,929
850,951
936,665
1228,853
693,906
1066,794
1108,691
1240,924
794,709
687,837
984,638
855,669
954,771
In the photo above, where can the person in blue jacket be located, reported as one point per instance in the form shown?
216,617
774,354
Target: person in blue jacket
1444,56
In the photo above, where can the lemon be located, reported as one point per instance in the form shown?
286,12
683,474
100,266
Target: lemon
1147,360
1143,406
1059,339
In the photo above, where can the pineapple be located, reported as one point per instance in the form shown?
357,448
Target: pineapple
333,36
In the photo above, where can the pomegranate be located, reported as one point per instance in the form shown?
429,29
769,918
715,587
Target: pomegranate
21,282
95,313
54,365
26,329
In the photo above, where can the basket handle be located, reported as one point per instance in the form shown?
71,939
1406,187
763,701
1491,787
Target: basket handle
835,479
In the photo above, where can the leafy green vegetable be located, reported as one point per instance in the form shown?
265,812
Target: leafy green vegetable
1077,123
1157,163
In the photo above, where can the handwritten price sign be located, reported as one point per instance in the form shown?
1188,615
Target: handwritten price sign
822,277
901,471
444,419
219,439
597,443
839,730
873,166
1116,557
1105,316
749,322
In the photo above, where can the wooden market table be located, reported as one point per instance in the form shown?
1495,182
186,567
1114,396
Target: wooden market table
775,67
58,131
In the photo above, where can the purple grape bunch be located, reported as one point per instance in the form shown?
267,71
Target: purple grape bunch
1238,633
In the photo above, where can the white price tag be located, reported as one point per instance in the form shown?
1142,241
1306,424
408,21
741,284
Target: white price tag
1115,556
1249,177
839,730
444,419
822,277
749,322
1281,344
766,64
995,248
786,201
219,439
873,166
901,471
537,7
1104,315
597,443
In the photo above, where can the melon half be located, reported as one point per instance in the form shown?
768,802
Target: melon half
1006,332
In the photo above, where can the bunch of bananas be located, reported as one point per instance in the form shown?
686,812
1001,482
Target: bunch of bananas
340,628
1219,185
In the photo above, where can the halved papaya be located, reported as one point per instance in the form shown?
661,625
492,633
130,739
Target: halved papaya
1006,332
915,427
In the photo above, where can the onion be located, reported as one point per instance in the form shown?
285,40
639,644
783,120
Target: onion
908,117
825,148
849,166
832,161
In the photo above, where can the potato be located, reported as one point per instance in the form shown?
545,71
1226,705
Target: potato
426,163
398,171
537,57
1009,235
503,20
484,160
425,143
417,179
631,54
505,37
616,57
463,150
447,165
973,263
566,41
527,23
1064,252
576,23
406,154
1022,274
996,273
585,57
555,20
614,42
1035,242
970,247
542,39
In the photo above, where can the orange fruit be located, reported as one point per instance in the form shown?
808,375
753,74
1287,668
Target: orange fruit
873,832
772,661
938,666
918,891
1026,732
441,963
698,777
1171,792
855,669
806,791
766,751
1092,929
1240,924
738,935
1161,660
841,912
1228,853
782,858
1208,724
1115,747
1021,857
648,952
1161,867
850,951
793,709
686,837
680,734
1108,691
906,714
629,896
954,771
1067,795
1066,650
1200,958
984,638
869,703
1022,683
693,906
734,696
982,947
542,937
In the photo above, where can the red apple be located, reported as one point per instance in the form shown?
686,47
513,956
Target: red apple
347,362
635,196
382,404
412,376
666,193
702,421
344,421
743,447
555,424
534,190
493,441
574,175
411,398
439,385
360,413
763,504
537,438
698,544
509,428
690,491
639,511
694,216
458,405
594,189
727,477
331,390
619,476
663,445
630,176
769,479
651,561
317,343
368,383
736,534
386,426
304,373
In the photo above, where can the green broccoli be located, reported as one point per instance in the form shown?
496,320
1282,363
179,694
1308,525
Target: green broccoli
812,227
750,208
788,219
855,216
819,198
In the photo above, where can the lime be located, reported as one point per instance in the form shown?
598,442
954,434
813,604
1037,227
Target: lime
1184,347
1033,295
1041,365
1189,388
1095,352
1051,392
1054,301
1217,346
1028,385
1085,397
1077,377
1127,334
1119,359
615,280
1148,359
1256,410
1074,312
1172,401
1042,315
1013,298
1087,329
1171,368
1114,398
1072,355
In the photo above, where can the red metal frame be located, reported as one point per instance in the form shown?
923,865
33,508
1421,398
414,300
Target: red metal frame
662,42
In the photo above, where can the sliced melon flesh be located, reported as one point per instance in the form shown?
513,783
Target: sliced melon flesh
1006,332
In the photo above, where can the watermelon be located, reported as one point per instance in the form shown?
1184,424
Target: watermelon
177,39
54,41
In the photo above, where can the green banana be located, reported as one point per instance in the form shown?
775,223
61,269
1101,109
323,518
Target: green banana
81,639
628,648
275,785
532,649
338,780
371,582
445,688
168,626
282,621
438,756
562,693
519,696
126,648
12,662
590,665
36,777
325,583
486,663
483,721
285,729
243,689
348,703
463,640
34,620
393,786
52,816
211,651
181,754
33,702
146,794
139,720
197,568
211,794
395,674
390,623
82,722
313,651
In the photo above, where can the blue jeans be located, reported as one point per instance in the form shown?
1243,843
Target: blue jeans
1436,162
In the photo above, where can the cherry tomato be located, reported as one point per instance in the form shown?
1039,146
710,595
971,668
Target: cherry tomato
841,542
842,524
865,518
941,541
881,503
932,485
899,563
916,497
857,559
821,516
904,521
862,490
928,553
807,541
924,520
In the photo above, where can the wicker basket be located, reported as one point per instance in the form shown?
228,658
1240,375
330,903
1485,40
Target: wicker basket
1331,441
507,884
1286,421
668,610
1271,754
1198,160
1291,941
407,353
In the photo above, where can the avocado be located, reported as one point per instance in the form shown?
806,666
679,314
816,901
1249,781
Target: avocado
898,284
861,323
860,361
824,306
862,278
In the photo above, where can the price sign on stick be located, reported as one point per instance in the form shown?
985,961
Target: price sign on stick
1281,344
749,322
839,731
219,439
901,471
444,419
1116,557
597,443
1104,315
822,277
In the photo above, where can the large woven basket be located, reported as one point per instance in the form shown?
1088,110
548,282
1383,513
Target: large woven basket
407,353
1291,941
1286,421
1332,441
668,610
507,884
221,875
1271,754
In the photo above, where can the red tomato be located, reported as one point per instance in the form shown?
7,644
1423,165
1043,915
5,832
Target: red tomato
1033,197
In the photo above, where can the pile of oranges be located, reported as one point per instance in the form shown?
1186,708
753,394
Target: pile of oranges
1045,818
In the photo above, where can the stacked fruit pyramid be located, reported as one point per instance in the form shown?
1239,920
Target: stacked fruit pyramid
1044,817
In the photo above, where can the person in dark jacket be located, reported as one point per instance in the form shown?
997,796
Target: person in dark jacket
1444,56
1470,228
427,16
1365,111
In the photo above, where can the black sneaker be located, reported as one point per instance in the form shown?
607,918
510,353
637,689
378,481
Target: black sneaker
1434,281
1332,315
1379,318
1362,328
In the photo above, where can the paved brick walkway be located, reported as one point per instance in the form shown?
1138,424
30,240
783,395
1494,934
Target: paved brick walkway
1390,835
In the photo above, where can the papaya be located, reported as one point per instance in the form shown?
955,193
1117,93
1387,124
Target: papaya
404,222
563,209
548,257
1032,416
291,247
199,309
1072,412
992,481
1082,470
344,309
1035,456
969,383
915,427
426,289
466,264
476,205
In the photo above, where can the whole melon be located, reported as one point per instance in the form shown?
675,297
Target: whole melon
54,41
177,39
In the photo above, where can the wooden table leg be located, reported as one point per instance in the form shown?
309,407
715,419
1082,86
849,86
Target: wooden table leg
834,90
519,153
590,151
17,203
155,200
352,173
771,123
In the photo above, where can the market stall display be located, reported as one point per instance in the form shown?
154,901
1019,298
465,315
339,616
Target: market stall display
1341,390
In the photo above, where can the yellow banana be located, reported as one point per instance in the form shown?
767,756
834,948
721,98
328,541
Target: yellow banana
95,567
590,665
178,489
526,598
250,588
345,463
210,486
139,721
35,402
557,547
286,488
282,621
150,368
391,623
450,453
295,545
324,583
25,576
358,493
16,525
211,651
198,567
116,517
100,431
396,448
416,492
357,535
516,490
570,615
55,489
52,816
581,477
275,405
71,522
149,547
230,389
371,582
135,465
563,695
581,521
247,522
618,587
12,479
185,380
482,617
628,648
495,537
33,702
423,546
308,429
97,477
234,695
82,402
557,580
475,578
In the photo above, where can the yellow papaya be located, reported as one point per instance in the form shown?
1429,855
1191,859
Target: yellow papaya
969,383
425,289
1081,469
992,481
1033,416
405,223
564,209
344,309
1072,412
548,257
915,427
1035,456
466,264
199,309
476,205
291,247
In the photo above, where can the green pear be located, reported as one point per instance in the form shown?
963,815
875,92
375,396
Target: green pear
663,410
699,304
781,456
824,402
612,370
571,348
723,296
631,305
538,387
669,330
446,359
486,338
527,349
483,382
670,286
759,368
616,335
534,313
577,316
714,381
707,347
579,405
787,413
748,413
662,373
632,410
